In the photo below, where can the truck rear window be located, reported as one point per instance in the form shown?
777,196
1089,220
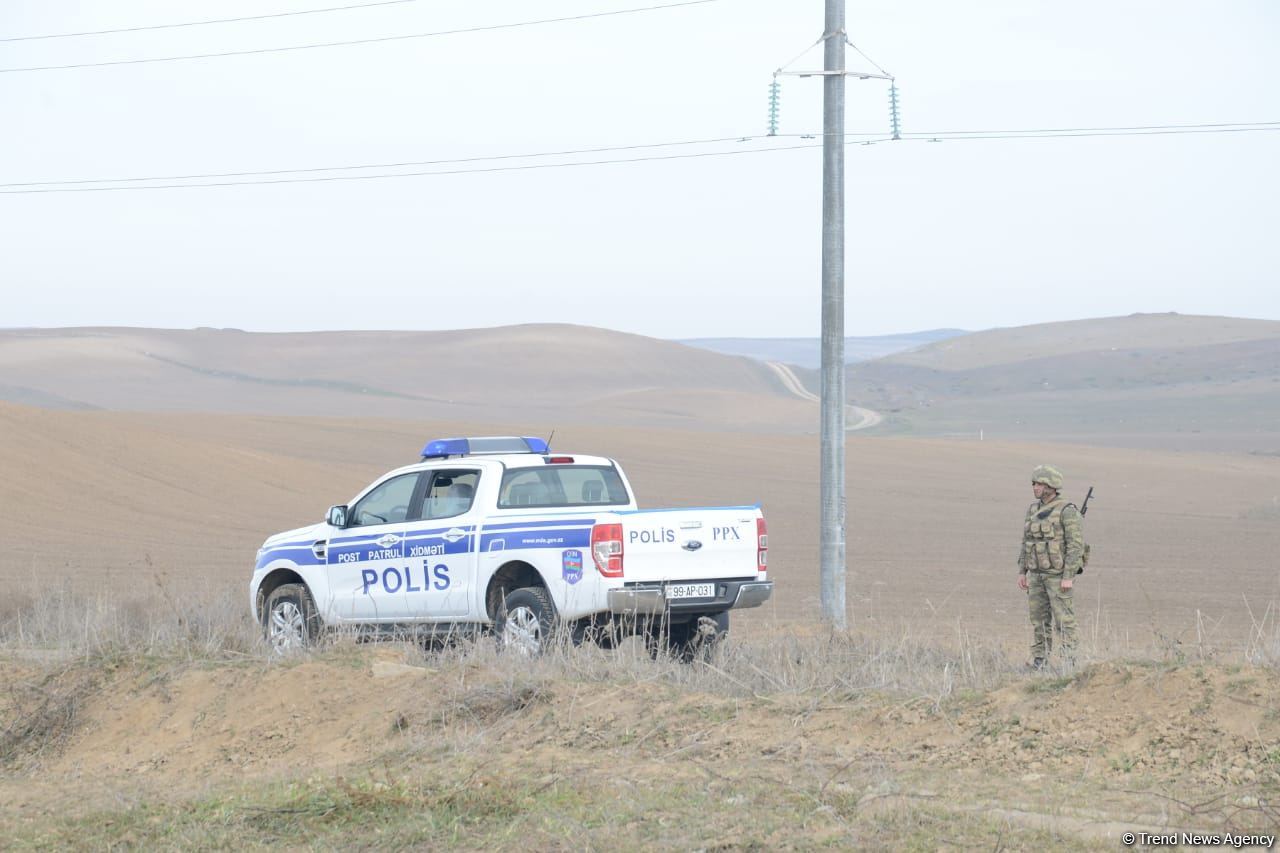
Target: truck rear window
562,485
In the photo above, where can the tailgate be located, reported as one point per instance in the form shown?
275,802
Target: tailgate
690,544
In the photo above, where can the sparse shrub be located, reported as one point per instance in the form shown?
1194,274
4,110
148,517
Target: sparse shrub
40,713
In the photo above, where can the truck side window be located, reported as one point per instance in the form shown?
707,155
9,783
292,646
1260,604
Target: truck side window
388,503
562,486
451,493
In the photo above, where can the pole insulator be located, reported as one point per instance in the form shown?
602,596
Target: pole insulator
775,95
895,122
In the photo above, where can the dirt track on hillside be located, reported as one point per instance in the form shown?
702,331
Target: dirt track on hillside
860,418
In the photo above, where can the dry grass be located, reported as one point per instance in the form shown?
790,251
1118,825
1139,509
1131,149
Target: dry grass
583,746
70,641
1263,647
59,624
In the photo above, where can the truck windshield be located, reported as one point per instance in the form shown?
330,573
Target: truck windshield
562,485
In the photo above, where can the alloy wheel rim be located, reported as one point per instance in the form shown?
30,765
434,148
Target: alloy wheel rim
522,631
287,629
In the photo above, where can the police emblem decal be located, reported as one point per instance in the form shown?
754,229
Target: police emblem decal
388,540
572,562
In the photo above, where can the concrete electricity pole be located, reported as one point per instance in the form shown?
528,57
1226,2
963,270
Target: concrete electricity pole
832,480
833,510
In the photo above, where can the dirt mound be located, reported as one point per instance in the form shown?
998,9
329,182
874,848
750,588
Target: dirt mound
656,749
1193,725
235,722
1187,726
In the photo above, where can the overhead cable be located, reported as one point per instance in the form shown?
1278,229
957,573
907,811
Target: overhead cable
350,42
571,152
1083,134
327,178
442,162
1228,124
54,187
205,23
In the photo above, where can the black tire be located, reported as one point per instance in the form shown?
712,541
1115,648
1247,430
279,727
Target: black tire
290,621
527,621
695,640
588,632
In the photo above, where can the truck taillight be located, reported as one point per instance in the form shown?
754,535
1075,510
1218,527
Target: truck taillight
606,549
762,544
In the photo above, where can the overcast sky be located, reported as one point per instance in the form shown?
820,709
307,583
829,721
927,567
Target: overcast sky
969,234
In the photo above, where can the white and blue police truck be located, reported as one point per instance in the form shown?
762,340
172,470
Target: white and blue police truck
502,534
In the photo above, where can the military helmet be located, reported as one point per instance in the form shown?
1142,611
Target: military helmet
1048,475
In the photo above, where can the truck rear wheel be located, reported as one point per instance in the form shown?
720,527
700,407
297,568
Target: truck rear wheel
290,623
527,621
695,640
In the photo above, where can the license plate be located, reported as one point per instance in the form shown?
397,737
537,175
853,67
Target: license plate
691,590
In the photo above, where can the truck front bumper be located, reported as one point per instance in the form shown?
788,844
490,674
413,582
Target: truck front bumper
650,599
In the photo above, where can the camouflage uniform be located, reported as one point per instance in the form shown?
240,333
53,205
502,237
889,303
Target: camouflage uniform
1052,548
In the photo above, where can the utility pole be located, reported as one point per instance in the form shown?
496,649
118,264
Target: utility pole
833,511
832,482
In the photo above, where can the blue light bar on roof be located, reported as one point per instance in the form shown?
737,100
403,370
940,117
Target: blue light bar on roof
442,448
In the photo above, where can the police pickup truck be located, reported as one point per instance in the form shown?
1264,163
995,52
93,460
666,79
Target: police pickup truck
501,533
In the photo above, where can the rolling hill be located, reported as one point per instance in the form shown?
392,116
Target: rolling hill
1167,380
807,352
548,373
1184,382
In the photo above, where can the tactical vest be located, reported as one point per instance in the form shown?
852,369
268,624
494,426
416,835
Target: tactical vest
1044,546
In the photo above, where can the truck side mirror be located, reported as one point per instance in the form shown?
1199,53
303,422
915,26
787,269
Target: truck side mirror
337,516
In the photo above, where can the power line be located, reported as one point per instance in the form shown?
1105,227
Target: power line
1082,135
409,163
861,138
1231,124
375,40
205,23
329,178
876,139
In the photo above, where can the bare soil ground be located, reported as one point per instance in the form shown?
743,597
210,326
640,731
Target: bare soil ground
137,709
1184,545
383,746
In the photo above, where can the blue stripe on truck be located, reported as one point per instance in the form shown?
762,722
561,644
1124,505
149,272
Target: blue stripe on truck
574,537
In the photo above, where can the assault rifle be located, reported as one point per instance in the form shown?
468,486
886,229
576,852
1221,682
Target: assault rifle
1084,508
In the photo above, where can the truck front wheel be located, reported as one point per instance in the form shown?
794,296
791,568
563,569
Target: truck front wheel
290,622
527,621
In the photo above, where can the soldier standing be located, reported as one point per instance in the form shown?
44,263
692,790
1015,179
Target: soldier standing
1049,560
